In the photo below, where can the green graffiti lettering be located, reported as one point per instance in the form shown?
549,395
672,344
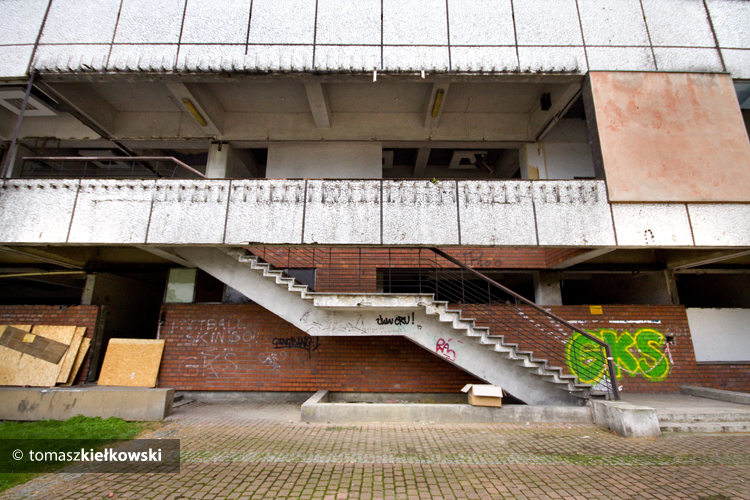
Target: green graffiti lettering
640,353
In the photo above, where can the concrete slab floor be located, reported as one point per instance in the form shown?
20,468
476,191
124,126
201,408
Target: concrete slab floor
681,403
252,451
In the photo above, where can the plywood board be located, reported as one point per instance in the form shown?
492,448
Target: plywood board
70,356
33,345
131,362
10,358
35,372
85,342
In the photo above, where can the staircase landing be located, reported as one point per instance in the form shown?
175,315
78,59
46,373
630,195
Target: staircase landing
683,413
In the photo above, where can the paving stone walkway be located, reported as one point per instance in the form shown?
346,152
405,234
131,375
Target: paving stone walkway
250,451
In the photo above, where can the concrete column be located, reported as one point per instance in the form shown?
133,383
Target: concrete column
218,160
671,284
531,160
547,291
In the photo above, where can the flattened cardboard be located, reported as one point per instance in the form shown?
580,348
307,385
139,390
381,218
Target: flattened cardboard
131,362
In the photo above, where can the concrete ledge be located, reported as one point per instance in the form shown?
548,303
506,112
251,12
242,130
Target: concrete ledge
60,403
320,408
742,398
247,396
626,419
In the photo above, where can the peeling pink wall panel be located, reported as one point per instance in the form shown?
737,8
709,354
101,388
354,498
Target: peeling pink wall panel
670,137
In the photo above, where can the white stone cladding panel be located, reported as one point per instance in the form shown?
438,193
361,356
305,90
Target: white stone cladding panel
573,213
738,62
37,211
282,21
720,224
678,23
496,213
150,21
415,22
688,60
159,57
620,58
265,211
547,22
65,58
484,59
112,211
344,58
652,224
466,28
15,60
731,20
343,212
420,212
346,22
543,59
81,21
613,22
415,58
189,212
279,57
233,58
20,21
216,21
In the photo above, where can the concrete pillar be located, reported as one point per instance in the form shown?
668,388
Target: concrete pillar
671,284
547,291
218,160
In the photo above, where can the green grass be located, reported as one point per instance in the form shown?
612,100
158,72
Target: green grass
80,428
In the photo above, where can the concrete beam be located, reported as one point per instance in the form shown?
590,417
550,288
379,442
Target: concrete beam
165,254
703,259
204,103
431,121
421,164
318,100
561,99
45,256
582,258
86,105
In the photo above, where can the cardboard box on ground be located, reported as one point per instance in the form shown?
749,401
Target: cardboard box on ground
484,395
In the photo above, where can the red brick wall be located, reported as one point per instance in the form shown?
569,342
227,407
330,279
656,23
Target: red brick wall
231,348
54,315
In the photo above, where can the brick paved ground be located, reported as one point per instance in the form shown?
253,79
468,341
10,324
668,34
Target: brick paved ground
242,451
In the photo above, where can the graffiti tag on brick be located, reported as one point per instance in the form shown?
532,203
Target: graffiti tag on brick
303,342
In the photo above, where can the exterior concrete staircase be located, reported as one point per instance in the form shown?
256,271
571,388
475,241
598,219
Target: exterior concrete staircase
705,422
418,317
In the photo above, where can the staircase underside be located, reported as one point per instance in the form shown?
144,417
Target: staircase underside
418,317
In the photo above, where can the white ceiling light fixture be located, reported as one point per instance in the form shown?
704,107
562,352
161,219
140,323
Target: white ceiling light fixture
11,98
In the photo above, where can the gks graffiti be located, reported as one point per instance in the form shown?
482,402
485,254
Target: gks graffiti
644,352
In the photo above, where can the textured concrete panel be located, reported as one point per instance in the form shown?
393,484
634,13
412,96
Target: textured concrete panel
211,57
670,137
544,59
15,60
112,211
738,62
731,20
720,224
652,224
282,21
415,58
150,21
496,213
81,21
620,58
216,21
344,58
412,22
573,213
189,212
547,22
500,59
36,211
420,212
279,57
688,60
20,21
66,58
466,27
265,211
678,23
345,212
142,57
345,22
613,22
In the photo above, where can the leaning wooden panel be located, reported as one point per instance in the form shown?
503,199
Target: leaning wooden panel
10,358
36,372
85,342
70,356
131,362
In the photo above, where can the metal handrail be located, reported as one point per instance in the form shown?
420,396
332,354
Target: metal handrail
599,342
117,159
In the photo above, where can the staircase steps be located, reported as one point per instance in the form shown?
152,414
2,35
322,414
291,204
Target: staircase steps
704,422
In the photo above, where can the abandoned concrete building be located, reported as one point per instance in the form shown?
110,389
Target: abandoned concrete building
384,195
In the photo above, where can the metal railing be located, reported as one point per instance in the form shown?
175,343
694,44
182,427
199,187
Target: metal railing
432,271
110,167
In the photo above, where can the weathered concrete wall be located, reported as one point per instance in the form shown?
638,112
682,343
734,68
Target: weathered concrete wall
669,137
625,419
324,161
